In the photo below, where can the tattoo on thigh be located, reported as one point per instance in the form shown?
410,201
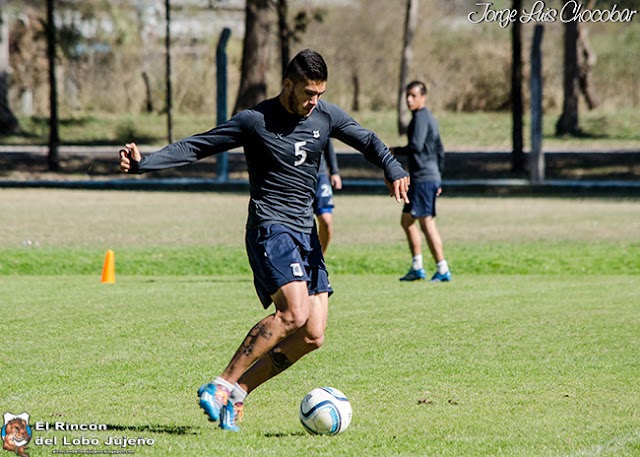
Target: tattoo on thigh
259,331
279,360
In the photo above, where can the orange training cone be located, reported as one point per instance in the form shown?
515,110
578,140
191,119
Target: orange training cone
109,268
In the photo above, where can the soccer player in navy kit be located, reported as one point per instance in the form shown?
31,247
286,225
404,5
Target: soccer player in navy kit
328,179
283,139
426,163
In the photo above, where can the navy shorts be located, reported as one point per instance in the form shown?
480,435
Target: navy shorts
279,255
422,199
323,201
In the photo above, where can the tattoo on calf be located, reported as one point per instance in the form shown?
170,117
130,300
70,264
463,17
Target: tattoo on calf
260,330
279,360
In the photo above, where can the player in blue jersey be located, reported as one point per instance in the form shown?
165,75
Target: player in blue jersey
426,163
328,179
283,139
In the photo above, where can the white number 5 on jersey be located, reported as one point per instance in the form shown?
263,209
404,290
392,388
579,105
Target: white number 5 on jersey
300,153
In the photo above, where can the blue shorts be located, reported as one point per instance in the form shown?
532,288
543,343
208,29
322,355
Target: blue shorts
279,255
422,199
323,201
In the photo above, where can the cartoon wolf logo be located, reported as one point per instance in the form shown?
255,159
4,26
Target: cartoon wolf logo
16,433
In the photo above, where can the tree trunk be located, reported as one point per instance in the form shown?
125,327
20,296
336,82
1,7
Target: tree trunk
8,122
54,137
568,122
410,23
255,54
148,103
284,34
169,95
355,102
517,155
586,60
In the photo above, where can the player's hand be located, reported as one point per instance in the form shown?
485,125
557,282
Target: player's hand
439,191
399,189
130,153
336,182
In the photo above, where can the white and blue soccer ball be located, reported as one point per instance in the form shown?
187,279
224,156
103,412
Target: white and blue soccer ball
325,411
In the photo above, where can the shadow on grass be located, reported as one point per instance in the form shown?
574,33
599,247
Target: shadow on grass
186,430
284,435
35,130
168,429
140,139
217,279
581,135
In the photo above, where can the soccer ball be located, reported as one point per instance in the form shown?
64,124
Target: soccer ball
325,411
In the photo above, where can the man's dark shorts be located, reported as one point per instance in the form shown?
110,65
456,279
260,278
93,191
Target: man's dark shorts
279,255
422,199
323,201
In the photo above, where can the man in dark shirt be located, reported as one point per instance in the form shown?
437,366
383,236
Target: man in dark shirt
283,139
426,163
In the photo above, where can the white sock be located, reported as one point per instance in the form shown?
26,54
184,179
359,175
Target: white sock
238,395
416,263
223,383
442,266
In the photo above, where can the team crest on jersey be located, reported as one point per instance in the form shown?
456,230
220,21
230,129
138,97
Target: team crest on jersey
316,133
296,269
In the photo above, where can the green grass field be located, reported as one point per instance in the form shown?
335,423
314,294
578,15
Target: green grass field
603,129
531,351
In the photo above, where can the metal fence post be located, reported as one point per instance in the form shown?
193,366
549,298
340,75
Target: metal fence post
536,163
222,164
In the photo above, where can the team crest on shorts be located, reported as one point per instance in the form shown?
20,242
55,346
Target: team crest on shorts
296,269
16,433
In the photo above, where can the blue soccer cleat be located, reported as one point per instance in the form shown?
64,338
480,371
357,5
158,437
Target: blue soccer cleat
212,399
414,275
228,416
441,277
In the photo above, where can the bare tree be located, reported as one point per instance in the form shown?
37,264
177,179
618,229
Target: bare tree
410,23
355,101
284,33
568,121
586,61
8,122
291,31
255,54
148,99
517,110
54,136
167,46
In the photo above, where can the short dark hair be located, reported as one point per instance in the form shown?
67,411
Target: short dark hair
420,85
306,65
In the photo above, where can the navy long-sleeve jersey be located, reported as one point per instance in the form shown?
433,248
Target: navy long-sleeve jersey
425,150
329,161
282,151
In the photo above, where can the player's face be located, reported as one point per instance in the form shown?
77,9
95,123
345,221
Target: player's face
304,96
416,100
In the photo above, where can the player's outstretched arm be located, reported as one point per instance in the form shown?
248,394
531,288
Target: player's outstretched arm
399,189
130,153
